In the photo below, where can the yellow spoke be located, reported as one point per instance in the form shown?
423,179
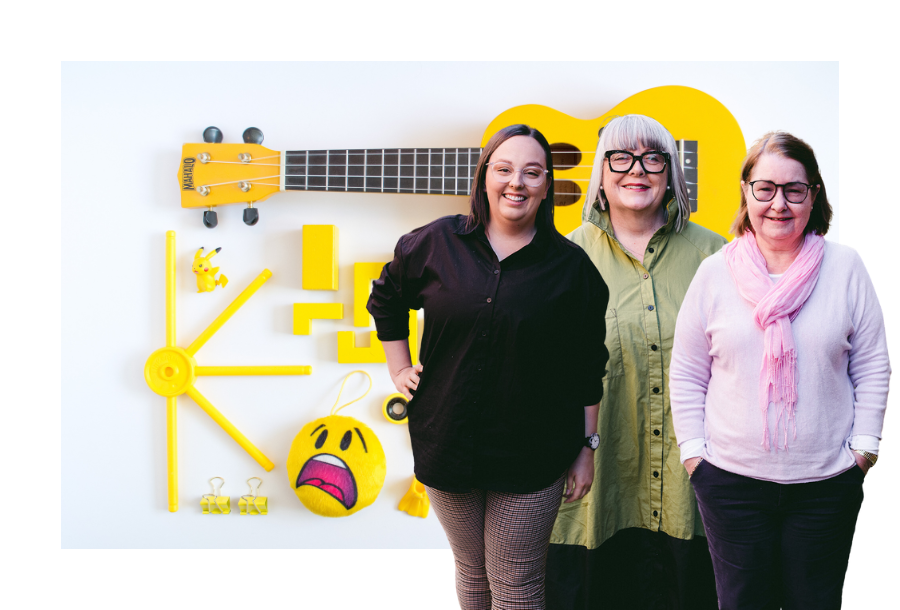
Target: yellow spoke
233,432
229,311
252,370
172,450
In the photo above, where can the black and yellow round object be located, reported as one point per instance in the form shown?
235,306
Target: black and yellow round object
395,409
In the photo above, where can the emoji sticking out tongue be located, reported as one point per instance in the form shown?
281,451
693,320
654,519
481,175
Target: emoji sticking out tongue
330,474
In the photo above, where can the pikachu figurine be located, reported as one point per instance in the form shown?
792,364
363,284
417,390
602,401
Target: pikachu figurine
206,273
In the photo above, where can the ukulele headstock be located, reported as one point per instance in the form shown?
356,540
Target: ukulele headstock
214,174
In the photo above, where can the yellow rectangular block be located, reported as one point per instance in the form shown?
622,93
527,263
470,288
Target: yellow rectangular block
363,274
320,257
305,313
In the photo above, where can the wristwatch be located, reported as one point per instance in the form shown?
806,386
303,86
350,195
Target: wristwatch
592,441
871,458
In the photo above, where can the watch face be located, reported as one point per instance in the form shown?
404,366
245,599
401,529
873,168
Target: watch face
593,441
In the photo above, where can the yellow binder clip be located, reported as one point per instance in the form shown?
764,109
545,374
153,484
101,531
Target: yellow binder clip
215,504
253,503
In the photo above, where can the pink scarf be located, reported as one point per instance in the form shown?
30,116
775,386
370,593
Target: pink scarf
776,306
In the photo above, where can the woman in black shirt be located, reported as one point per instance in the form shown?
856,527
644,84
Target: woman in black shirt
498,419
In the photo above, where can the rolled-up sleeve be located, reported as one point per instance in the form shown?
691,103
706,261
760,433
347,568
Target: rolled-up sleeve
391,300
592,337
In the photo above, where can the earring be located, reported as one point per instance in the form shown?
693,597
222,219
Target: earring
668,187
601,187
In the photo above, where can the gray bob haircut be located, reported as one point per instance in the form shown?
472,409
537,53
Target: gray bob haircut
628,133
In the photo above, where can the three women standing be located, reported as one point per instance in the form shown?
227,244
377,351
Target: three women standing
636,540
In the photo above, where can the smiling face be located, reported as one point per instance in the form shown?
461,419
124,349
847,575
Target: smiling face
778,224
336,466
635,191
514,203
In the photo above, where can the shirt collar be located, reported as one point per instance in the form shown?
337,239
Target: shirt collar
593,214
538,244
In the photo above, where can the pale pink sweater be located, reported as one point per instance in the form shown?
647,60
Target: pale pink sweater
842,373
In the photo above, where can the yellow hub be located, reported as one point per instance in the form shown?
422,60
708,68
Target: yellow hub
170,371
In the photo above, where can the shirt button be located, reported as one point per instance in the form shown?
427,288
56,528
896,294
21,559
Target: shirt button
484,333
656,390
655,474
496,271
649,307
653,347
489,299
650,250
655,514
646,276
656,433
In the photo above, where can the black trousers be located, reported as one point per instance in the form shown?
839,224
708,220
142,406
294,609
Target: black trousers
636,569
776,545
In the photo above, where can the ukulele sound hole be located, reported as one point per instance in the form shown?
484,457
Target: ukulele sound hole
565,156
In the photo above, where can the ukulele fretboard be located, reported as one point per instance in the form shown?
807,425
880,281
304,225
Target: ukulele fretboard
433,171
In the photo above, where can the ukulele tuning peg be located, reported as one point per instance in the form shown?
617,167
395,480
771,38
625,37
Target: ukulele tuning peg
253,135
210,219
212,135
251,216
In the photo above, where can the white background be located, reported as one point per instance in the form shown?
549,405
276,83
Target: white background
113,286
102,382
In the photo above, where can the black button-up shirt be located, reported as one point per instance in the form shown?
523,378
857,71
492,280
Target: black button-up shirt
512,351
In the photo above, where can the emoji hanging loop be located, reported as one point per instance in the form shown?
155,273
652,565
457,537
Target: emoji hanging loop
337,408
206,273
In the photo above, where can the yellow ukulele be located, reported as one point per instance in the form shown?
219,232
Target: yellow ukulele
214,174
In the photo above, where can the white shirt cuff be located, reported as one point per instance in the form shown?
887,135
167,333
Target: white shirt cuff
693,447
864,442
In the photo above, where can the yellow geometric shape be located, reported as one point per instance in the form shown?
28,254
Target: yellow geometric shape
305,313
349,353
320,257
363,274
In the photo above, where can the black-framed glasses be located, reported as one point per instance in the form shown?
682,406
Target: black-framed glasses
765,190
621,161
531,175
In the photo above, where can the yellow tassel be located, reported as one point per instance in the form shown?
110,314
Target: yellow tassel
415,502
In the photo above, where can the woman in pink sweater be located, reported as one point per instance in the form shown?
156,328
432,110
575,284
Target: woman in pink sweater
779,382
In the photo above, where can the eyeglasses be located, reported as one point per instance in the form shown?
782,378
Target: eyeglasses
531,176
652,162
765,190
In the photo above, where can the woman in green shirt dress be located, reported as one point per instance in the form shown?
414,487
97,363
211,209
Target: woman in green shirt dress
636,540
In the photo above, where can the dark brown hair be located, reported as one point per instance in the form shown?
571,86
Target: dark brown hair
790,147
480,209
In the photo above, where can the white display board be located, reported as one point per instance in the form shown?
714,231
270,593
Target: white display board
123,125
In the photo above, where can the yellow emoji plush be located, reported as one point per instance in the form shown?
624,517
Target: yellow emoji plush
336,464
